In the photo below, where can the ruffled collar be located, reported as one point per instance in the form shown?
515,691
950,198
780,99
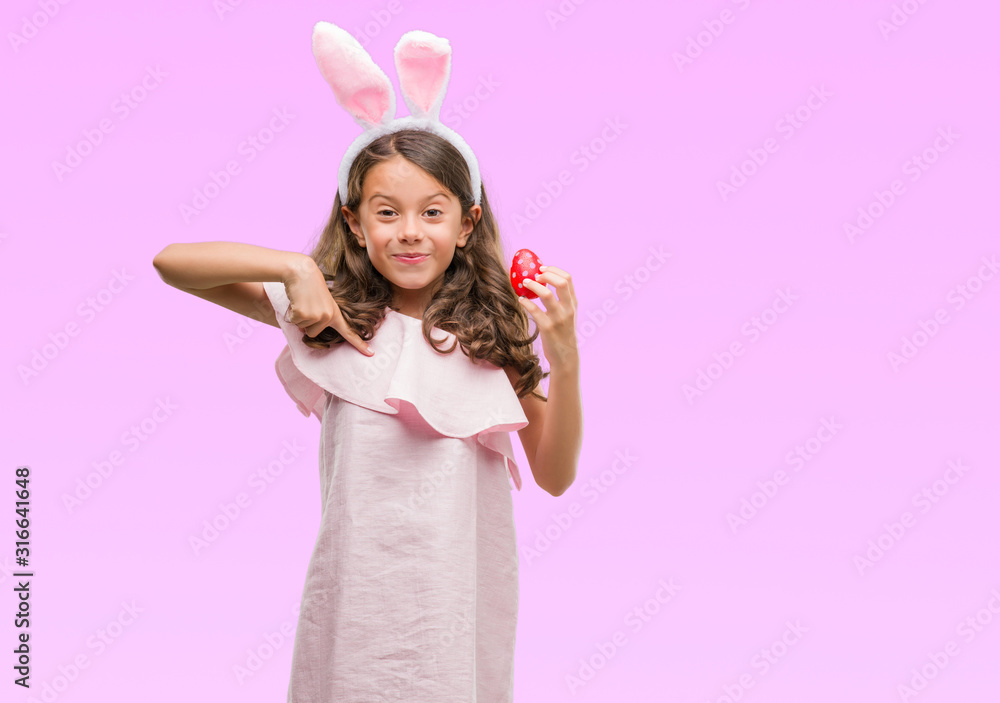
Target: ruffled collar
456,397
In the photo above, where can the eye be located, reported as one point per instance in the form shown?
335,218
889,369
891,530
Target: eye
379,212
435,210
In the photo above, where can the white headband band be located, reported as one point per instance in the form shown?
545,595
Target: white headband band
423,64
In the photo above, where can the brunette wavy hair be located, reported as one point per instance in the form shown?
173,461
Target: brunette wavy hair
476,301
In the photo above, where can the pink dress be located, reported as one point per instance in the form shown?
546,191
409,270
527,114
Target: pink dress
411,593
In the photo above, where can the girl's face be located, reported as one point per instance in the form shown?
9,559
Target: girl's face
404,210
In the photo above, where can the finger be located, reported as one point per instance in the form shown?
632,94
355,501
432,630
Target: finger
552,277
537,312
540,290
361,345
559,305
354,339
557,277
311,329
537,286
553,269
565,285
528,305
349,335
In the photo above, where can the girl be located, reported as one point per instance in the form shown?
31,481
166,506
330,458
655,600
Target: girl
411,593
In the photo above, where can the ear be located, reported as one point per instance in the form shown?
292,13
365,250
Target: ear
361,87
469,223
353,225
423,64
476,213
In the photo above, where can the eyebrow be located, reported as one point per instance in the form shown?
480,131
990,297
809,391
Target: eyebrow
389,198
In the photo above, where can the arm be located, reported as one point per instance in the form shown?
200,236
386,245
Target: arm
562,431
554,436
230,274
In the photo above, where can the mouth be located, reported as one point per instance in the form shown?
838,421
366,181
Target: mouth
410,258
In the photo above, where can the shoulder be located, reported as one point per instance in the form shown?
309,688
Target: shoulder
512,375
533,406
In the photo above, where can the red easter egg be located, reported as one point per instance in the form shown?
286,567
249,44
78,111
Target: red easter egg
525,265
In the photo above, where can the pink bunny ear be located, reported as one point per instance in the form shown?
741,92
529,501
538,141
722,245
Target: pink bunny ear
423,64
361,87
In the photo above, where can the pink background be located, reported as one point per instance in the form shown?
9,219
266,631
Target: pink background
539,97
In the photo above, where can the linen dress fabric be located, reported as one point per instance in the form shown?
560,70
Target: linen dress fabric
411,593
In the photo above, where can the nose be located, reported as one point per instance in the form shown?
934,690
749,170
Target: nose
410,230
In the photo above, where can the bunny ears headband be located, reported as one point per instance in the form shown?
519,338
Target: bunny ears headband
423,64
